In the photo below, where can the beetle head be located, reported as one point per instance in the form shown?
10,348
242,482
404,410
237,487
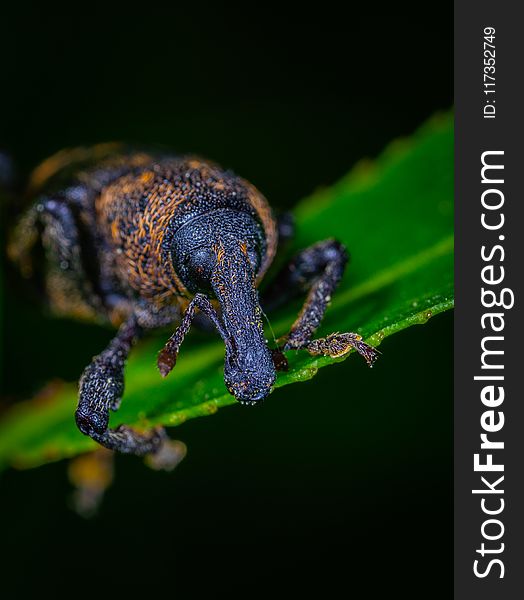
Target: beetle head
219,254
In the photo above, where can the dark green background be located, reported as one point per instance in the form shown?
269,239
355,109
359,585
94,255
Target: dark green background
358,495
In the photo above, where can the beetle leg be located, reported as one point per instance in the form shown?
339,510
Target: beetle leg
279,359
168,355
52,222
316,270
101,389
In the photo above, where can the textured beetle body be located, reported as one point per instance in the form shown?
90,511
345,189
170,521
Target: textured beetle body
129,207
145,240
141,213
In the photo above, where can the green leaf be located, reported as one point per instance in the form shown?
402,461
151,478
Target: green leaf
396,217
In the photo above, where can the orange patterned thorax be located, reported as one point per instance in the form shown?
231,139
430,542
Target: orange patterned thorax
139,212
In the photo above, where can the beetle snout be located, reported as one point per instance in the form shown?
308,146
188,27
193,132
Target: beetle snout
247,389
250,378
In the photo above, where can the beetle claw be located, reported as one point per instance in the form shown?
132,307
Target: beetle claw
279,360
166,360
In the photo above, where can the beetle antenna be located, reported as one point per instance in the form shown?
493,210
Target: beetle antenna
270,328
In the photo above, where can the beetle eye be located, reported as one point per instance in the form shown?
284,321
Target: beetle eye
200,265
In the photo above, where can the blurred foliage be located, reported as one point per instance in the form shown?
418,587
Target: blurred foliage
396,217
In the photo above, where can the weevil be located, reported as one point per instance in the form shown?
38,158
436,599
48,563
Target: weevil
145,240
